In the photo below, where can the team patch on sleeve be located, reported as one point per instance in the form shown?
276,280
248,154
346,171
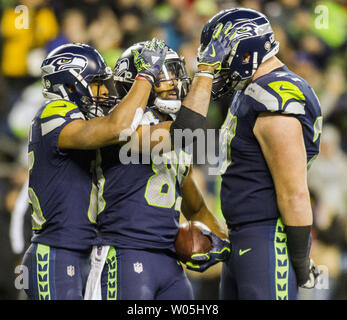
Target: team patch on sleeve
283,96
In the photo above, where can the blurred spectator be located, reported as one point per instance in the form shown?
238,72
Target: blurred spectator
327,181
22,49
338,117
73,29
332,29
17,43
105,34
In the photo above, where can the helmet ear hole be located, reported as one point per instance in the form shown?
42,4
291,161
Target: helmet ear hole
71,88
246,57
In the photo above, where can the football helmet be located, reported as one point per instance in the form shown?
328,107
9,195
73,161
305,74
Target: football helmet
172,79
253,42
67,73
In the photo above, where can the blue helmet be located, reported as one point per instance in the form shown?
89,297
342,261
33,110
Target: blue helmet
67,73
253,43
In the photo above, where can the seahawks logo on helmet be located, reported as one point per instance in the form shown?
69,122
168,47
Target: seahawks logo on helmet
68,61
122,72
247,30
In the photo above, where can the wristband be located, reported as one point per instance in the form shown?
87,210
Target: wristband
205,73
144,76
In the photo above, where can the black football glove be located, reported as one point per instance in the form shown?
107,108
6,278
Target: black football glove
151,58
220,251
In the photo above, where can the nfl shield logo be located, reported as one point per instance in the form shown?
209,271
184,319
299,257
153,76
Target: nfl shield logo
138,268
70,270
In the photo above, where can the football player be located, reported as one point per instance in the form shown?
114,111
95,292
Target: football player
64,132
141,203
270,137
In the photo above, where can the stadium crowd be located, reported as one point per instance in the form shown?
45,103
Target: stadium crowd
313,44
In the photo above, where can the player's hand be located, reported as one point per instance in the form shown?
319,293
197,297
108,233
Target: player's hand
218,48
151,58
219,252
313,277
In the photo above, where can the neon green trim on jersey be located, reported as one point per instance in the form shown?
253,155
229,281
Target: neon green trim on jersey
317,128
58,107
31,160
228,132
37,218
111,261
178,204
42,259
101,182
281,262
287,90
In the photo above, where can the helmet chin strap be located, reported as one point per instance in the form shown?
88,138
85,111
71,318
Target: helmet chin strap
167,106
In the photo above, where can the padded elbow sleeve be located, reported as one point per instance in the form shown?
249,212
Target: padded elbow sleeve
183,129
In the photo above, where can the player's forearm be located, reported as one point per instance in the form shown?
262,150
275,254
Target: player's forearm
208,218
194,207
108,130
198,98
295,207
146,138
123,117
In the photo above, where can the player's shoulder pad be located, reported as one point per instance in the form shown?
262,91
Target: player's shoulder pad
59,107
279,92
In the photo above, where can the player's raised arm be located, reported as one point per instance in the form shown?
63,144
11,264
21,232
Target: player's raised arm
195,105
78,75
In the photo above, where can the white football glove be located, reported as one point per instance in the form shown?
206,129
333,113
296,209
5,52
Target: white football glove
313,276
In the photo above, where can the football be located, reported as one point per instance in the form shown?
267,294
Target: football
190,240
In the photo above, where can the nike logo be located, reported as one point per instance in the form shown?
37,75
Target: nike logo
155,59
285,89
213,54
63,106
242,252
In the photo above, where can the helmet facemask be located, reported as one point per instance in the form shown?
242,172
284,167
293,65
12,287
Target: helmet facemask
171,86
99,102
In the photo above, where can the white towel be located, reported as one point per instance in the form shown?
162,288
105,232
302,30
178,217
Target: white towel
16,231
98,259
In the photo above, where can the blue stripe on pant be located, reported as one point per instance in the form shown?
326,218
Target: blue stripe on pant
55,273
259,267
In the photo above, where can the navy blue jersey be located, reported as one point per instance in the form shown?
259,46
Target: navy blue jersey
248,192
140,203
61,189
